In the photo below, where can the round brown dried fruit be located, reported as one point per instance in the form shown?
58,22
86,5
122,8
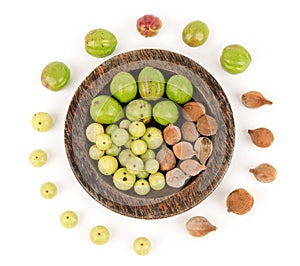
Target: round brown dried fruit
199,226
183,150
176,178
166,158
171,134
239,201
261,137
203,147
254,99
192,111
207,125
189,131
264,173
191,167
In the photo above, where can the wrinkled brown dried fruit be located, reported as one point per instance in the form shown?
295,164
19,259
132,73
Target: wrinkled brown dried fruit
254,99
264,173
176,178
192,111
199,226
203,147
189,131
207,125
261,137
191,167
183,150
172,134
166,158
239,201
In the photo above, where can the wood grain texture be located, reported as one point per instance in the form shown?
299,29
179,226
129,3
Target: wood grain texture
168,202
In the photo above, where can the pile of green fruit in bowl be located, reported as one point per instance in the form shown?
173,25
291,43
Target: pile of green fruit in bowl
127,129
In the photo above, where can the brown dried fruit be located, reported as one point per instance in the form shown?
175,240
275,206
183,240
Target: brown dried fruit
264,173
207,125
189,131
176,178
192,111
261,137
191,167
166,158
254,99
171,134
183,150
239,201
199,226
203,147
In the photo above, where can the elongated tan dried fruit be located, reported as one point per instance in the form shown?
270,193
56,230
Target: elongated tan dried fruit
207,125
203,147
192,111
183,150
264,173
166,158
172,134
176,178
239,201
189,131
254,99
191,167
199,226
261,137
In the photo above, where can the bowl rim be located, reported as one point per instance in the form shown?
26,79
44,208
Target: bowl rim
142,207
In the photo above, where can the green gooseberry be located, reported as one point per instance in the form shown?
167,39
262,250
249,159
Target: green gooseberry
179,89
165,112
68,219
106,110
99,235
48,190
42,121
100,42
151,84
123,87
141,246
235,59
139,110
55,76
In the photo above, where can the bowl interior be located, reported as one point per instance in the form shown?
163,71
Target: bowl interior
169,201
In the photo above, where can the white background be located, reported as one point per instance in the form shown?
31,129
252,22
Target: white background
34,33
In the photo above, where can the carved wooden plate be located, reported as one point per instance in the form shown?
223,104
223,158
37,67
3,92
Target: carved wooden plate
169,201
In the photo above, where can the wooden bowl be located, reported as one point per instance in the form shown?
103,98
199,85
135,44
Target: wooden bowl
169,201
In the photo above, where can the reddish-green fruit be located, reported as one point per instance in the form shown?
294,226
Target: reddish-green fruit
148,25
55,76
195,33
